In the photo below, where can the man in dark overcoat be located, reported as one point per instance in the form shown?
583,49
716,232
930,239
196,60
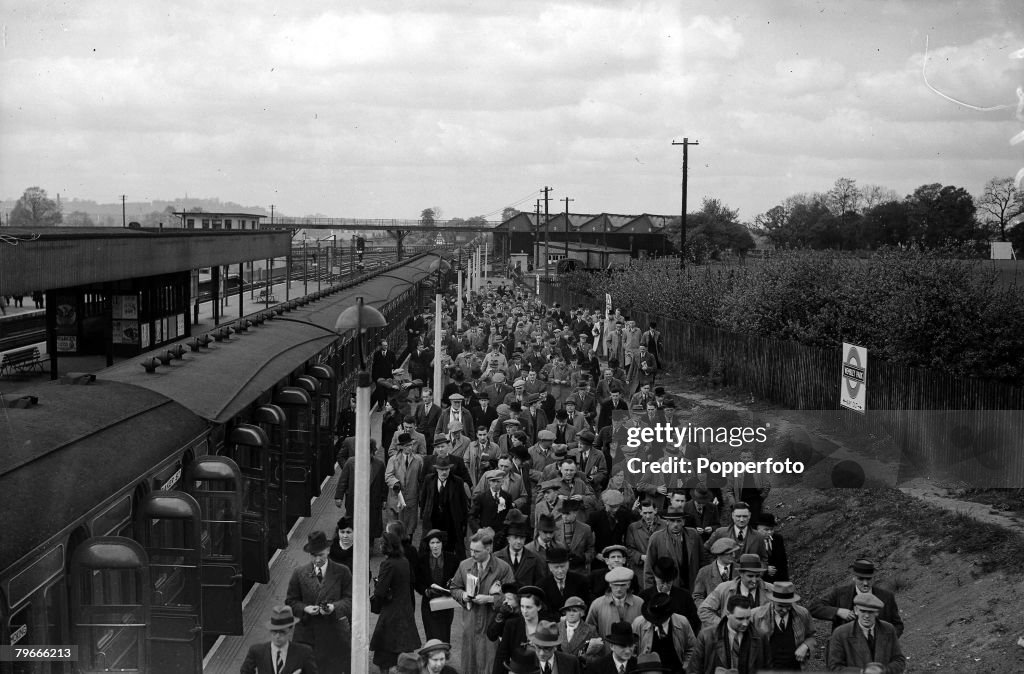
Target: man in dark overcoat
320,596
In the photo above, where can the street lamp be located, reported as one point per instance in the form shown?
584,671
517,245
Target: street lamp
358,318
442,267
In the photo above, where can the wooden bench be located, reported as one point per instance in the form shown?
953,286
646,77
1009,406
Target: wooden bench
21,361
265,297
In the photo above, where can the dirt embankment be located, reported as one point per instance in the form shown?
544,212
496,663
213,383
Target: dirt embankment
959,582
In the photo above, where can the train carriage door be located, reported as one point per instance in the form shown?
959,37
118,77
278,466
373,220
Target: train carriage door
168,525
216,484
299,454
328,419
248,446
110,605
311,386
272,420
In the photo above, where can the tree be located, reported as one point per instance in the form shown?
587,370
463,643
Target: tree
428,218
844,198
940,215
508,213
873,195
716,229
887,224
79,219
35,209
1001,204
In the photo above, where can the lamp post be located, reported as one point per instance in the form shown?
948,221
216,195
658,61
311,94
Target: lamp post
441,266
360,317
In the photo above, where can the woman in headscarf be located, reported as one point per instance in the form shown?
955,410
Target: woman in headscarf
396,625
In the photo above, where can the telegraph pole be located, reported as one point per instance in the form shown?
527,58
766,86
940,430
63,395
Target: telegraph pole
566,200
547,233
682,223
124,217
536,240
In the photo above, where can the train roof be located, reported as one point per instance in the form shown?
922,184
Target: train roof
76,447
219,382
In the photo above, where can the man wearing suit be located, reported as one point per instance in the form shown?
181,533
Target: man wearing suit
749,585
867,640
427,414
490,506
721,570
565,434
622,642
454,415
586,402
837,604
576,536
680,600
279,655
679,543
652,341
661,630
527,566
638,537
778,562
320,596
402,476
750,542
593,467
545,641
381,367
704,512
614,402
483,412
731,643
561,583
443,447
444,503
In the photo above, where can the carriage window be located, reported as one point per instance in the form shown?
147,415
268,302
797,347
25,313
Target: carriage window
108,522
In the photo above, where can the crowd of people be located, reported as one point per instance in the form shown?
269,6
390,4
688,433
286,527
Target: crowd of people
505,498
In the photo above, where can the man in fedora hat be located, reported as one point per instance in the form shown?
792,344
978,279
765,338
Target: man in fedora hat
786,626
560,583
665,574
522,661
731,643
749,584
320,596
622,642
720,570
704,511
778,561
866,640
278,654
444,501
576,536
545,641
529,569
837,603
402,476
660,630
679,543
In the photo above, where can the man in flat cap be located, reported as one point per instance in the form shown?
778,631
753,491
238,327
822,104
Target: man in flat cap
618,603
610,524
721,569
490,507
679,543
638,536
837,603
454,415
866,642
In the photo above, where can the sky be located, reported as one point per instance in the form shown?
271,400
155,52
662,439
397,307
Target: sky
381,109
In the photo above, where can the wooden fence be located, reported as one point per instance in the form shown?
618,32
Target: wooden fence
945,426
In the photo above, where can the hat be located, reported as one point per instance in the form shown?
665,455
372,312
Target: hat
433,645
570,401
556,554
766,520
868,600
483,395
673,513
317,543
442,462
619,415
494,475
785,592
436,533
553,483
456,396
723,546
864,568
532,399
648,662
658,608
586,436
408,663
510,587
561,414
498,377
404,439
545,523
613,497
619,574
666,569
570,505
621,634
560,451
522,661
659,390
281,617
545,434
454,426
503,409
512,421
440,439
532,591
515,516
546,634
518,382
615,548
750,563
574,602
639,407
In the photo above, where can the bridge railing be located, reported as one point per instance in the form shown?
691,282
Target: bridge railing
342,223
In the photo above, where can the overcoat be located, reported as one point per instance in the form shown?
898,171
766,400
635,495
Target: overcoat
396,630
328,635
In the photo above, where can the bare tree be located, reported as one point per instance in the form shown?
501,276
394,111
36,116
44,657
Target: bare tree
874,195
1001,204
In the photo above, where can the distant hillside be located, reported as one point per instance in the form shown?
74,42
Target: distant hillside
109,214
